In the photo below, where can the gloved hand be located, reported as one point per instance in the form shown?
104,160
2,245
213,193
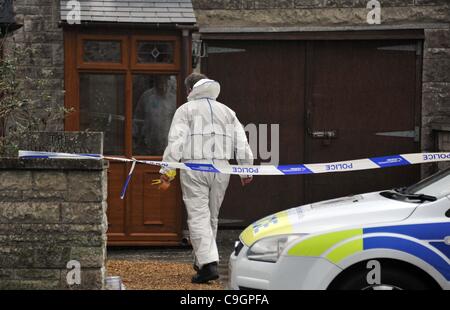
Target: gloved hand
165,179
165,182
246,180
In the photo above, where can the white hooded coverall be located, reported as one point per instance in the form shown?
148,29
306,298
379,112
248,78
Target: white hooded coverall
205,131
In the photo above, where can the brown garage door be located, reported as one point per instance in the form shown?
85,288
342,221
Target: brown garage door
362,94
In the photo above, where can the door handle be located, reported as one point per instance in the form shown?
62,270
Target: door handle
331,134
324,134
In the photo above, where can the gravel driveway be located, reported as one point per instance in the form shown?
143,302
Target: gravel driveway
153,268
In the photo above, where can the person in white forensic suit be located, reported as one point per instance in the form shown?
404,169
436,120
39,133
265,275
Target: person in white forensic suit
205,131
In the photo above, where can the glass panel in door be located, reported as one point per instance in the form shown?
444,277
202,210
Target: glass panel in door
102,108
151,52
102,51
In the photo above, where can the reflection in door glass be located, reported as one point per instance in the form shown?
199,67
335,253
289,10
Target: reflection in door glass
102,108
154,103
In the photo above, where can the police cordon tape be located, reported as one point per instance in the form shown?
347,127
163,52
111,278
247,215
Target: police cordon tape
342,166
295,169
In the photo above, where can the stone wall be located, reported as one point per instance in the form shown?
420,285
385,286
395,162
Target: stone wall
436,77
42,34
52,212
442,142
436,92
279,13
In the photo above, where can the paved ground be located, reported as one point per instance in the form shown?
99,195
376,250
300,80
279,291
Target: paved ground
158,275
136,265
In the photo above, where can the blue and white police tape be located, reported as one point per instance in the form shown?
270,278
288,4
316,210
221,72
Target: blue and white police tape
127,181
296,169
341,166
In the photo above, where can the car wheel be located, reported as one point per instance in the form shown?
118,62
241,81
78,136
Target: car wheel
392,277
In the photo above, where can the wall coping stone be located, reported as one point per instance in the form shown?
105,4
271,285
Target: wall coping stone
64,142
60,141
52,164
275,29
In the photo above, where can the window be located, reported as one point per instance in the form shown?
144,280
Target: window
102,51
437,185
155,52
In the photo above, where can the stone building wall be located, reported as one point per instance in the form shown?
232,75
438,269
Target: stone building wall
52,211
315,13
441,132
42,34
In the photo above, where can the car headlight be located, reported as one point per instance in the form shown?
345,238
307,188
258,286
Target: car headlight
269,249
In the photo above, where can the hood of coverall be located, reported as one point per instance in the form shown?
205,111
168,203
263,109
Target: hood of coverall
205,88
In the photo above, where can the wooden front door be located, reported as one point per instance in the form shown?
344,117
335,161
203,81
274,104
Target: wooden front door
364,93
127,85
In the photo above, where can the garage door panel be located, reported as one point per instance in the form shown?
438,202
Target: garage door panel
367,96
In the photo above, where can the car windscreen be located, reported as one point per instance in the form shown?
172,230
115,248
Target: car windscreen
438,185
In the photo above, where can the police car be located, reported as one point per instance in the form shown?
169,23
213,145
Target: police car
393,239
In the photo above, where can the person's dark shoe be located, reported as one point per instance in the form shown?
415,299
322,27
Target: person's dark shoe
195,267
207,273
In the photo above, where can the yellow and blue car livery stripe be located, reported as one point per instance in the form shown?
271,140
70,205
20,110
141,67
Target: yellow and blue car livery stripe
276,224
336,246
